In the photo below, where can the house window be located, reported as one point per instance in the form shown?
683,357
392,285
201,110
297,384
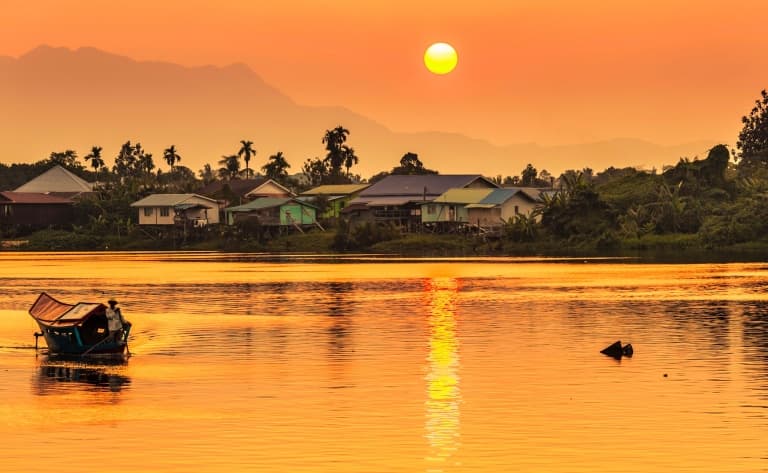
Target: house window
517,210
7,211
430,209
164,211
147,211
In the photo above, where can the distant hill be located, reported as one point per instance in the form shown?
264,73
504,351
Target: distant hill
56,98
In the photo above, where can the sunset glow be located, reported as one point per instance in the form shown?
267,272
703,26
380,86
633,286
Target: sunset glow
549,73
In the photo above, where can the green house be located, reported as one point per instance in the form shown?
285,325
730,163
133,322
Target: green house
274,211
481,207
337,197
451,206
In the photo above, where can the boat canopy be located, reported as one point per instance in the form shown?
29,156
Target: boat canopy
50,311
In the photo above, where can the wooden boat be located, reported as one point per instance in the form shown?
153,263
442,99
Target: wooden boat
77,329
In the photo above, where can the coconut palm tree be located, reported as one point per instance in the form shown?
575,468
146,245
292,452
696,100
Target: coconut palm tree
350,158
334,140
94,158
277,167
145,166
246,151
230,166
171,156
206,174
669,207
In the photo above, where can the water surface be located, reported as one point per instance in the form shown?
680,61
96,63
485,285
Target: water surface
252,363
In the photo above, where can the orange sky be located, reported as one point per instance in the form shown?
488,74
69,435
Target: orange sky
546,71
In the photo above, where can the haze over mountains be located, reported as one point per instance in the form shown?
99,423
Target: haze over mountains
52,99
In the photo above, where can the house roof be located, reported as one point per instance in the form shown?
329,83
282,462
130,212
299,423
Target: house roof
481,198
336,189
533,192
420,185
499,196
259,189
463,196
241,187
169,200
56,179
238,186
32,198
266,203
385,201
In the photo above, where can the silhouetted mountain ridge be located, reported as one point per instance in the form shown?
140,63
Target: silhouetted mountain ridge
59,99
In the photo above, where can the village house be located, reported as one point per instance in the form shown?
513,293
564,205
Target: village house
177,209
239,191
399,198
57,181
337,197
274,212
33,208
483,208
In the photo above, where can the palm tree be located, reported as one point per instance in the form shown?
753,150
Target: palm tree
246,151
171,156
94,157
350,159
669,207
146,165
277,167
231,166
206,174
334,140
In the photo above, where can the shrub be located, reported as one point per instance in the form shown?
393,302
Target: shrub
59,240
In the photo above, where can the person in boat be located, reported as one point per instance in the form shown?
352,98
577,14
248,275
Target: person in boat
115,320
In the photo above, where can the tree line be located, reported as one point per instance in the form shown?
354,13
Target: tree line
716,201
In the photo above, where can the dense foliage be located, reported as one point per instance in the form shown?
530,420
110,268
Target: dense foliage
713,202
753,139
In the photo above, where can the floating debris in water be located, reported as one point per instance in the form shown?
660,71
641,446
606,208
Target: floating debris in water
616,350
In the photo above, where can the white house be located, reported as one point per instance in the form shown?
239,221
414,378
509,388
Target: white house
171,209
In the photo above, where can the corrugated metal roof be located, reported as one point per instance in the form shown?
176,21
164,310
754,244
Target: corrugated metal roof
265,203
499,196
532,192
237,186
336,189
191,205
168,200
32,198
56,179
383,201
430,185
463,196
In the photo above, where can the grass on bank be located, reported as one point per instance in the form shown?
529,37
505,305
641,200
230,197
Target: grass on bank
429,245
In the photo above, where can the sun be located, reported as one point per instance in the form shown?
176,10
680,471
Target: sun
440,58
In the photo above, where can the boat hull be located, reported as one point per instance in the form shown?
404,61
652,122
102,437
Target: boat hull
70,341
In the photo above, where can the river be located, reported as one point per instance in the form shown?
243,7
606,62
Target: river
248,362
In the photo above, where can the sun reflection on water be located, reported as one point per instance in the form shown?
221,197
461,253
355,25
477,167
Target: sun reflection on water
443,392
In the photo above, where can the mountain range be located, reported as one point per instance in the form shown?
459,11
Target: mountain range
53,99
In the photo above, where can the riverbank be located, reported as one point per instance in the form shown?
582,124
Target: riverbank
673,247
